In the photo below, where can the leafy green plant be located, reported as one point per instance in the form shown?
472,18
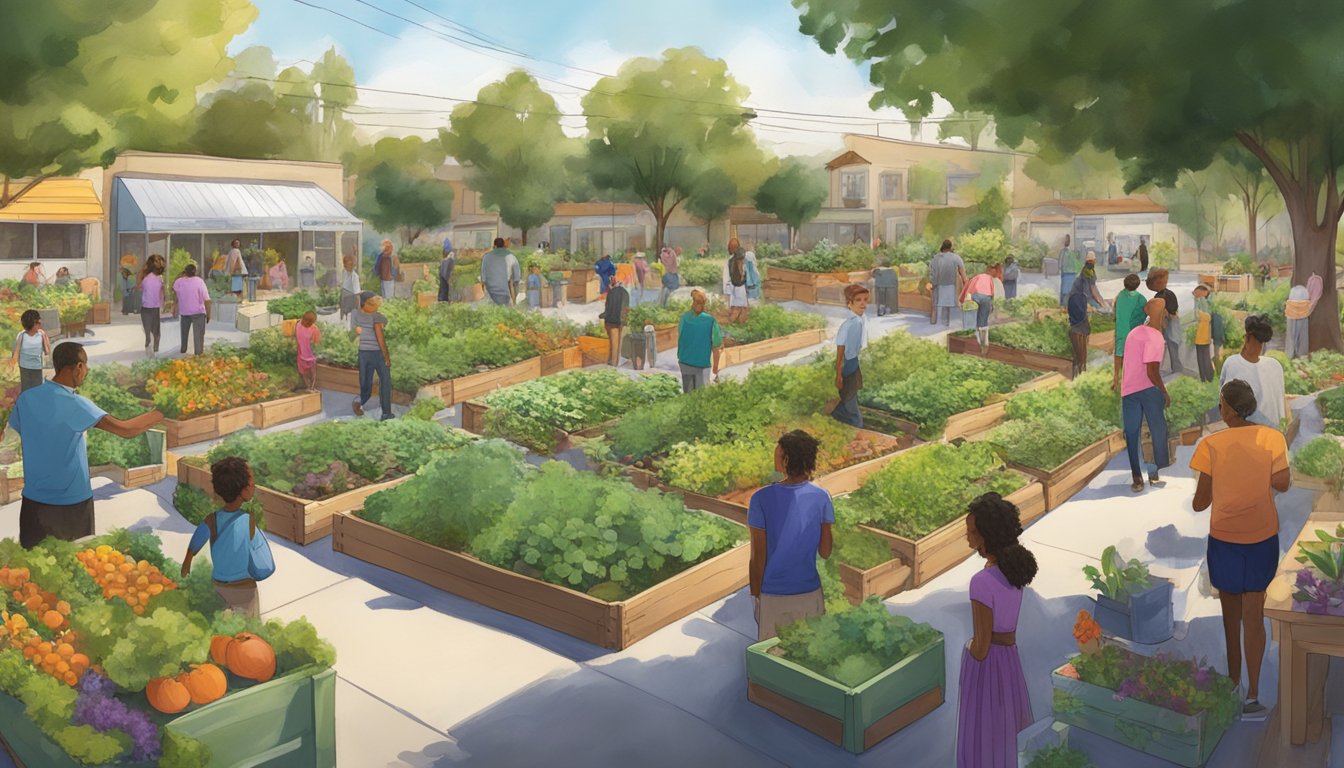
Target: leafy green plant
771,321
425,408
911,249
529,413
1322,458
1118,579
1240,264
702,273
1060,756
929,395
1269,301
1045,442
1048,337
854,646
1191,400
293,306
828,257
1163,255
1326,554
1025,307
1185,686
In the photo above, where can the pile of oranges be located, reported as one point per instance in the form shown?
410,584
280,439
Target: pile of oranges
136,583
56,657
39,604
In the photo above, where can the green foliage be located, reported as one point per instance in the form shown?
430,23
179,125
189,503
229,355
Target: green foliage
1028,254
984,246
529,413
826,256
297,644
1049,336
1305,375
1060,756
1191,399
396,185
771,321
794,194
420,254
1025,307
931,393
1180,685
1048,440
1269,301
1240,264
701,273
1322,458
88,746
153,646
911,249
180,751
425,408
104,447
1117,579
854,646
194,505
714,192
293,306
1163,255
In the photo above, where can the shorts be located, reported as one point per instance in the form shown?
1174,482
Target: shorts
775,611
236,284
67,522
307,366
1238,568
738,296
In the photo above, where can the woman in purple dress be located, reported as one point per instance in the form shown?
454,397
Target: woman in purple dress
993,704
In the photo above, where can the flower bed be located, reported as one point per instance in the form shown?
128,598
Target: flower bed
102,654
305,476
853,678
72,305
1174,709
582,553
1319,584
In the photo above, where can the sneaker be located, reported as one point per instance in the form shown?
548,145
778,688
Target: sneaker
359,409
1155,481
1253,711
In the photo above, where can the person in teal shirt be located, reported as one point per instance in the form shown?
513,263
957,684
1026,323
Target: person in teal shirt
1128,316
699,342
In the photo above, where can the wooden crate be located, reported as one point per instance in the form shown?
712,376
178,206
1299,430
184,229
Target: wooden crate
274,412
101,314
916,302
347,380
11,488
425,299
770,348
417,271
1187,740
584,288
940,551
1104,341
595,351
966,345
132,477
615,625
290,517
853,718
1062,482
1232,283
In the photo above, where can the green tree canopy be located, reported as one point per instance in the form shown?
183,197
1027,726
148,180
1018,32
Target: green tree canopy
1164,86
711,197
396,187
73,93
515,151
659,124
975,128
794,194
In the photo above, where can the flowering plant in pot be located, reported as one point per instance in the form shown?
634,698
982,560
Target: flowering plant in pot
1319,587
1088,634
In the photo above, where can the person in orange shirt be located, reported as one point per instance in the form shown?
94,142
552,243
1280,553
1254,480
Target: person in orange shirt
1239,468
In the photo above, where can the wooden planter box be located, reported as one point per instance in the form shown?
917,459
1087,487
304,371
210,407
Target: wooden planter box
347,380
880,581
132,477
1062,482
1209,280
462,388
810,287
1187,436
1187,740
1104,341
975,423
288,721
255,316
940,551
616,625
101,314
584,289
1232,283
966,345
417,271
425,299
915,302
770,348
1145,618
853,718
290,517
260,415
11,488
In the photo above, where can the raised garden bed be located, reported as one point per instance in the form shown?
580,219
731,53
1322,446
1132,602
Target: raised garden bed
1067,479
261,415
784,331
462,388
584,289
811,287
966,345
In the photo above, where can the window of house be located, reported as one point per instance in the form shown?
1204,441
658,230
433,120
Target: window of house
16,241
956,194
854,185
62,241
893,187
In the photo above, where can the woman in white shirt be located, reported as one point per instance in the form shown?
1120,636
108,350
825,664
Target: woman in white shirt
31,348
1262,372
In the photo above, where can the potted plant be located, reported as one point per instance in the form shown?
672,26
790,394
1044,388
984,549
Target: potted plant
1057,756
1319,587
1131,603
1088,634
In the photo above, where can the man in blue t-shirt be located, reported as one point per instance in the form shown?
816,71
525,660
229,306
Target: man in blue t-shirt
51,420
790,525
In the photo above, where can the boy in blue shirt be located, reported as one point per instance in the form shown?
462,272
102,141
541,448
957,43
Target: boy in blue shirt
229,531
790,525
534,286
849,340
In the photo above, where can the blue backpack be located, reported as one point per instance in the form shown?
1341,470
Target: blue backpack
260,562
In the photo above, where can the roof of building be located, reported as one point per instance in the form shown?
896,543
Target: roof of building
158,205
597,209
56,200
849,158
1116,206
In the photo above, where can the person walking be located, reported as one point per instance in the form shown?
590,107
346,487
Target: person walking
306,338
151,302
753,278
1142,256
51,420
1157,283
370,325
1083,292
386,266
500,274
350,289
1128,316
699,343
671,278
253,259
1203,332
279,275
980,289
605,272
239,552
1301,303
1238,470
1011,273
1143,396
849,342
615,313
735,282
790,524
947,273
130,293
1262,372
993,703
446,267
534,286
193,306
235,268
1070,264
641,265
1112,252
31,348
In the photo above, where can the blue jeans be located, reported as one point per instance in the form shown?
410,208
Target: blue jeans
371,361
1136,408
389,287
1065,285
847,410
983,305
251,281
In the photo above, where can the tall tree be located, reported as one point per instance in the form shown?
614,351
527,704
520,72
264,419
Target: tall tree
511,141
974,128
1083,174
794,195
396,188
1065,73
334,78
73,95
659,124
711,197
1254,189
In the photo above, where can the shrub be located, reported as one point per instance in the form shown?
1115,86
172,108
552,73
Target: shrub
1239,264
983,246
855,646
1162,255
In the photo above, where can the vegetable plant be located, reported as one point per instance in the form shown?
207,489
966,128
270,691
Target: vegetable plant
854,646
1118,579
197,386
826,256
529,413
1323,459
1185,686
1047,441
771,321
293,306
1319,587
1060,756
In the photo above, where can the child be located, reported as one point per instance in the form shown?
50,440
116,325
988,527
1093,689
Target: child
307,335
852,337
534,286
240,552
130,304
1203,332
31,347
63,278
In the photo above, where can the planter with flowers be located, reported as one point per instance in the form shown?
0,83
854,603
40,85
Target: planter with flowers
1319,586
1319,466
1131,603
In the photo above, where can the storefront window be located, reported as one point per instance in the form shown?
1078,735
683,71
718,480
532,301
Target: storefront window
131,252
16,241
190,247
62,241
281,247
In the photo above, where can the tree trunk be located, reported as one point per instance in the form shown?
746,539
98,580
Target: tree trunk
1314,252
708,225
1252,214
524,229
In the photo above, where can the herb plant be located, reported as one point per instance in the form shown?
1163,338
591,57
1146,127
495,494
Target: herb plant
1060,756
529,413
1323,459
1181,685
1320,585
854,646
1117,579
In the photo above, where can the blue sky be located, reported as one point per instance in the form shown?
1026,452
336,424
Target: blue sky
758,38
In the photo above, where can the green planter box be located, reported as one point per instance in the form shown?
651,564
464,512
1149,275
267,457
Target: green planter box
853,718
1186,740
289,722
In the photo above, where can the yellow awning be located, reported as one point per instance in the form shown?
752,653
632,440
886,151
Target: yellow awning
56,200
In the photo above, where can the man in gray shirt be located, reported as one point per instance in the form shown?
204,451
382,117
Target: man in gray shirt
947,272
373,355
501,274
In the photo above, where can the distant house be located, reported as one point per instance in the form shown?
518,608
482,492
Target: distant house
1089,222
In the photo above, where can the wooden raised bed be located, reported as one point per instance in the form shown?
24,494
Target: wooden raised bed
1232,283
769,349
810,287
584,289
11,488
290,517
977,422
425,299
347,380
1187,436
462,388
1062,482
261,415
853,718
1104,341
596,349
915,302
101,314
615,625
882,580
131,477
966,345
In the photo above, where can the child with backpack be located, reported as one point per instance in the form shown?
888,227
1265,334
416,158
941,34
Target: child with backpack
240,552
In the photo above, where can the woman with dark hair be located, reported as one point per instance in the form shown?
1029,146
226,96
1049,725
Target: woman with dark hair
993,704
1083,291
151,301
31,347
1239,469
1262,372
790,525
193,307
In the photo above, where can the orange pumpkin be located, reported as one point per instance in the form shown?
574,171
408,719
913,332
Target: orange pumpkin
251,657
219,647
167,695
205,683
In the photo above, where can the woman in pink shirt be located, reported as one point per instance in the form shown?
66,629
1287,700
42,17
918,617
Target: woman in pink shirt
307,335
1143,397
279,276
151,302
193,306
980,289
